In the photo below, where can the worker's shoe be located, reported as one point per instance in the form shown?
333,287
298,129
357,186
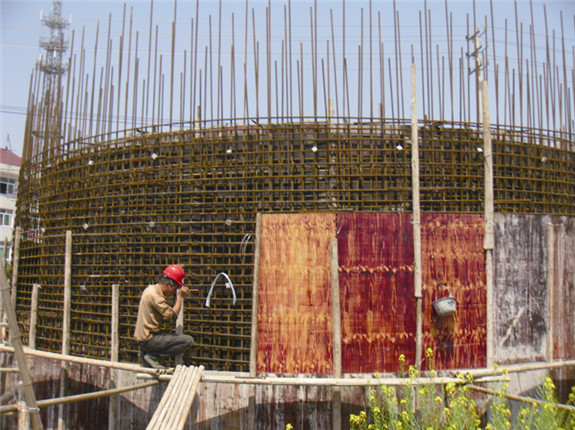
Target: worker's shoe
148,360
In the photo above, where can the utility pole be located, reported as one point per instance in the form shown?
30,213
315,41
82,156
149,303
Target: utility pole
478,53
483,118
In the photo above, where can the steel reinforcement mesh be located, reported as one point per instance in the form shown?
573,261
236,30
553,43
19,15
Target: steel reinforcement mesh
136,202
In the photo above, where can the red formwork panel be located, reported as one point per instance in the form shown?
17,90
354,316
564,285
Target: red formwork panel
294,311
378,309
453,255
375,253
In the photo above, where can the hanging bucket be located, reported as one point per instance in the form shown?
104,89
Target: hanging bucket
445,307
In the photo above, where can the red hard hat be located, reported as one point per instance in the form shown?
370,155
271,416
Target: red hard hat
175,273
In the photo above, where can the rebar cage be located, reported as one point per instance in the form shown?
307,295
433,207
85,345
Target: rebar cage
137,201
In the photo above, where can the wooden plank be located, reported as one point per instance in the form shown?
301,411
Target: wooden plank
294,311
520,293
255,295
452,253
376,284
564,297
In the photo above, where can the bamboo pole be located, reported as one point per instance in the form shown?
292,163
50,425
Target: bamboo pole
15,262
81,397
19,349
476,373
255,296
336,310
488,239
336,315
550,289
3,321
254,342
190,399
113,406
33,316
416,222
180,330
83,360
62,410
163,405
212,378
23,416
521,399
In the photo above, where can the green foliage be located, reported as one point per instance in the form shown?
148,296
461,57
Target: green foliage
8,269
432,406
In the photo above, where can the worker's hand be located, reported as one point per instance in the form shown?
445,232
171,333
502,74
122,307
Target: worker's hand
183,292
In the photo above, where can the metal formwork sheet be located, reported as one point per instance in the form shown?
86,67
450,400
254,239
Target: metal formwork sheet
294,309
375,253
453,256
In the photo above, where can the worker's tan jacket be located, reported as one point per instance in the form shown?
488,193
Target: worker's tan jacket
152,312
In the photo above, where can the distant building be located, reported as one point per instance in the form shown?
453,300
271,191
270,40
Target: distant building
9,172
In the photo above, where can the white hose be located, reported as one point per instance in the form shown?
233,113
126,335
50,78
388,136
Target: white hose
228,285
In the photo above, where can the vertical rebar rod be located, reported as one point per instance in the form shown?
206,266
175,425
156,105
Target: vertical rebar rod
172,59
334,65
381,71
120,63
219,89
147,96
196,56
370,61
127,91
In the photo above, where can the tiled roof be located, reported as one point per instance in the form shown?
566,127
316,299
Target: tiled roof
8,157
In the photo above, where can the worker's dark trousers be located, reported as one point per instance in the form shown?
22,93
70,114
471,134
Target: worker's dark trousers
168,344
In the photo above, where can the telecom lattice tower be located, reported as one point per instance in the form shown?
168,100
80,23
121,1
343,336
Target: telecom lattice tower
53,68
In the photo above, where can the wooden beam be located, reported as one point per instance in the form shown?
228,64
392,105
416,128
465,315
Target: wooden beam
82,397
520,399
211,378
33,316
336,315
16,262
417,274
114,353
255,295
254,341
62,410
16,342
336,309
489,233
516,368
550,289
83,360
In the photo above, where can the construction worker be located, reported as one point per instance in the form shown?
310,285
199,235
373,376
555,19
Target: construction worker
153,311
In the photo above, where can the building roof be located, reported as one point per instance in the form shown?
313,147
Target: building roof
8,157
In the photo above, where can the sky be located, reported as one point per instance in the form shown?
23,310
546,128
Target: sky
21,30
